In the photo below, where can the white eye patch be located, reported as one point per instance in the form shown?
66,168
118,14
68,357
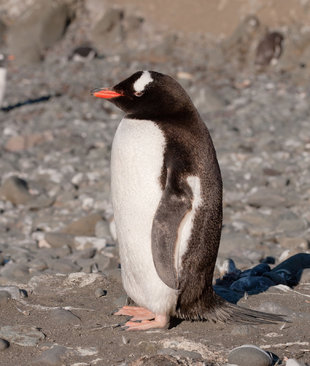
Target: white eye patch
143,81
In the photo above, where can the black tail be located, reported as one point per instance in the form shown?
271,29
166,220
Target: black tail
215,308
227,312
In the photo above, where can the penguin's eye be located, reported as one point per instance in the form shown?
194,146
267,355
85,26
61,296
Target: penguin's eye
138,94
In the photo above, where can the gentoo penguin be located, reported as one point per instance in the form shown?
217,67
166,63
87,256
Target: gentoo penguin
167,199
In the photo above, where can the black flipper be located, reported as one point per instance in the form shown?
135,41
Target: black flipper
176,201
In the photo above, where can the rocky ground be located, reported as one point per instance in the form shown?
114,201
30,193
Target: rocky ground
59,265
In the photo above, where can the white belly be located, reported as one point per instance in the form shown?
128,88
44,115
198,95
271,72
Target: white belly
136,162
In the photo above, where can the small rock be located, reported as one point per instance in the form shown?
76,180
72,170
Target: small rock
99,292
102,229
15,190
84,242
243,330
85,226
249,355
64,317
159,360
305,277
57,240
4,297
16,271
4,344
293,362
22,335
40,201
266,198
64,265
20,143
52,357
43,24
293,243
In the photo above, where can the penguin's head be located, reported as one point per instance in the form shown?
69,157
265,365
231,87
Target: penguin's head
147,94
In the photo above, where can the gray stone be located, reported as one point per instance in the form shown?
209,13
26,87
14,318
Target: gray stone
63,265
4,344
85,226
63,316
4,297
249,355
305,277
15,190
22,335
243,330
107,29
265,198
39,202
102,229
43,24
59,239
52,357
16,271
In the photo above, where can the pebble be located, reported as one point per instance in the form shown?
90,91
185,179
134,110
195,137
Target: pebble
4,297
16,191
4,344
85,226
249,355
22,335
99,292
293,362
59,239
62,316
51,357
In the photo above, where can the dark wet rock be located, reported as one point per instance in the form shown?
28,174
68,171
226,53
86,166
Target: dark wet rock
4,344
22,335
51,357
63,316
16,190
43,24
57,240
85,226
249,355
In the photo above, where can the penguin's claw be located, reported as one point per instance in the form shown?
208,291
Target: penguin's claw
160,322
137,313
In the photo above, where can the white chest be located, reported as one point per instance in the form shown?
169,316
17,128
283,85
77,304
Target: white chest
136,164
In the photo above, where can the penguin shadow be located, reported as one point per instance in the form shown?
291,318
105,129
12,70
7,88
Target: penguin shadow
236,283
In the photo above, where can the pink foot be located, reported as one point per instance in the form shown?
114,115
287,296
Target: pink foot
137,313
160,321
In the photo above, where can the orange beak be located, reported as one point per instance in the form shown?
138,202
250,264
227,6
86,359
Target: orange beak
105,93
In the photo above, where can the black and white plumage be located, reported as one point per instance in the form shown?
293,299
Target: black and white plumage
167,199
